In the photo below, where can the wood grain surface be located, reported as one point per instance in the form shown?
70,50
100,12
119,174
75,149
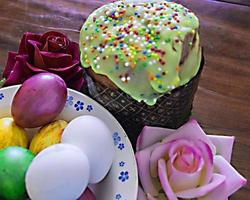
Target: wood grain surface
222,103
240,2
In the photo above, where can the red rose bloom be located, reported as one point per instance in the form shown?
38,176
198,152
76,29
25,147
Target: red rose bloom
52,52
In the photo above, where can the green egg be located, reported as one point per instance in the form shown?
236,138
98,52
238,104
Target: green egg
14,162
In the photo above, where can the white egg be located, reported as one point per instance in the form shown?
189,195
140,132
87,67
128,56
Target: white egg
94,138
58,172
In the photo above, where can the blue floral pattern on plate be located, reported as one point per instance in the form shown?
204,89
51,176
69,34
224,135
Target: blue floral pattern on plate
117,141
79,105
118,196
124,176
122,164
69,101
116,138
89,108
121,146
1,96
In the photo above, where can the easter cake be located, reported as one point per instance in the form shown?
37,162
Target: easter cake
143,60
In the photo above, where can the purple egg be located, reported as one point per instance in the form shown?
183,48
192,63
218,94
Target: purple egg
39,100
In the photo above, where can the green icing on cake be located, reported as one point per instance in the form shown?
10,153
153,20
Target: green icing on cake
139,46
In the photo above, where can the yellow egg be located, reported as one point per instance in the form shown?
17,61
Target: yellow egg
11,134
48,135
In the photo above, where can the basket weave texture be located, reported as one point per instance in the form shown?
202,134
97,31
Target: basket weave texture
171,110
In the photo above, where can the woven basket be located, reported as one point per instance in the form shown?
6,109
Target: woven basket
171,110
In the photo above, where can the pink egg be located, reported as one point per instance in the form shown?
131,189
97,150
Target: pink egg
39,100
87,195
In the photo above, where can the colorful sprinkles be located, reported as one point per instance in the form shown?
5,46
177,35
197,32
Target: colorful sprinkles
129,34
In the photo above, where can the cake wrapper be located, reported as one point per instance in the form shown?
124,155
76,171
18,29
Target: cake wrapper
172,110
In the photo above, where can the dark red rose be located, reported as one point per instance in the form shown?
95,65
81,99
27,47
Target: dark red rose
52,52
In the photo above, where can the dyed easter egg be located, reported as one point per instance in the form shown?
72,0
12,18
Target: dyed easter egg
48,135
14,162
11,134
39,100
87,195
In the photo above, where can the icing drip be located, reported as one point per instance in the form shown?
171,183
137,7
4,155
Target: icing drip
146,49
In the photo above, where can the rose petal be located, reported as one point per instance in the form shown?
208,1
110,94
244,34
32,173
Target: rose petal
164,150
191,131
216,181
233,182
19,72
24,42
151,135
56,60
10,64
35,54
34,69
207,171
66,72
180,181
73,75
73,49
57,45
187,158
224,145
142,158
51,34
175,144
77,81
159,152
141,195
54,42
162,171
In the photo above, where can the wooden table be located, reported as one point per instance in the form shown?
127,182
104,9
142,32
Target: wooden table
222,103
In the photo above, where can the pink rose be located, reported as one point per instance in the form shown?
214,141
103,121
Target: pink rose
52,52
185,164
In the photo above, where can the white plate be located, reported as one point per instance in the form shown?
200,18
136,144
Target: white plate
122,181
